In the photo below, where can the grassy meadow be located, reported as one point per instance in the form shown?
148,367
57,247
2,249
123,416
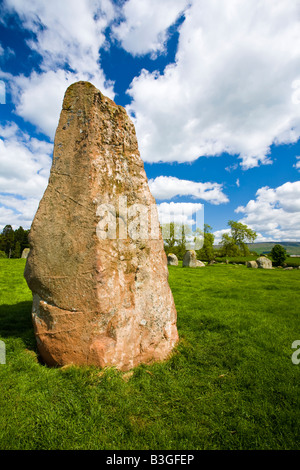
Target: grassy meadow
230,383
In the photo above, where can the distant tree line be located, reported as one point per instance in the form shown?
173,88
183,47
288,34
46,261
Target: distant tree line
234,243
13,242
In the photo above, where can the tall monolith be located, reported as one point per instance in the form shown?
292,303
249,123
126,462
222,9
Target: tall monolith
97,267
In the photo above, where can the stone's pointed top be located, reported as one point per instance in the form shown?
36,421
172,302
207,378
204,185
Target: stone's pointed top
82,85
83,90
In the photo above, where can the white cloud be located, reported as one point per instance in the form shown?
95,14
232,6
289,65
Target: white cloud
231,168
65,34
145,23
28,176
22,182
275,212
218,235
17,211
262,238
297,164
167,187
68,39
2,92
233,87
39,98
181,212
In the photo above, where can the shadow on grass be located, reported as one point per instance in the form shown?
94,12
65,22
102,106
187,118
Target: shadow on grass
15,321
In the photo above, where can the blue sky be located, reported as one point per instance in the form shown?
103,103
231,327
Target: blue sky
213,89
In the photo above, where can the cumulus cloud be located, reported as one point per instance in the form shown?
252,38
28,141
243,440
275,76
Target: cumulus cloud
17,211
275,212
39,98
29,177
65,35
235,91
186,213
68,40
144,25
22,184
167,187
218,235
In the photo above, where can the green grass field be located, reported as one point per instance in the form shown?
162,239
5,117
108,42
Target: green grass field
230,383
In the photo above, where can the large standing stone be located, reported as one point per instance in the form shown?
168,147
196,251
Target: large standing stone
190,260
264,263
98,299
172,259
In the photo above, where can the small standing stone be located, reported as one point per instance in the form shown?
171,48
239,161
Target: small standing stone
25,253
264,263
252,264
190,260
172,259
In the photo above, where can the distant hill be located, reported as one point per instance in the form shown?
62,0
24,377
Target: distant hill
292,248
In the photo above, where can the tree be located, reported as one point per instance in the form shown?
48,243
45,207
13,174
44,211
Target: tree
8,239
21,236
13,242
229,246
176,237
242,234
17,250
206,253
184,231
278,254
168,233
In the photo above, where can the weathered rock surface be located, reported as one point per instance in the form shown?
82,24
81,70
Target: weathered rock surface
190,260
172,259
97,300
264,263
25,253
252,264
